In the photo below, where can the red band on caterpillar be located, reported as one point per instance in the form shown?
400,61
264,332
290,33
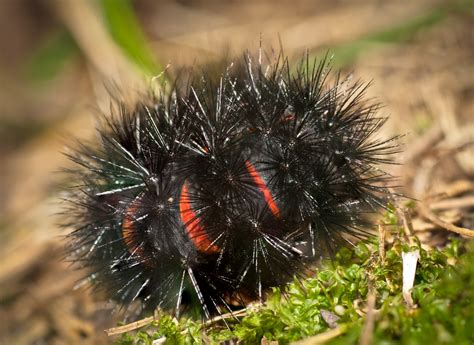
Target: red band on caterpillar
192,223
267,195
129,229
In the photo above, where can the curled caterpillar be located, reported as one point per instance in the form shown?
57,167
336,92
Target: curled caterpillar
212,193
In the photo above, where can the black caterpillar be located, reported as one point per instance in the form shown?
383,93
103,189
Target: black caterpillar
216,191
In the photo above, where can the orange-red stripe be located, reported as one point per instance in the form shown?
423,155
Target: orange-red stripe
267,195
128,229
195,230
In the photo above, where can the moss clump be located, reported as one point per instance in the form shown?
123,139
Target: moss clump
337,295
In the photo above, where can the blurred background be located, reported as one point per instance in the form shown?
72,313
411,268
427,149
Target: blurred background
59,59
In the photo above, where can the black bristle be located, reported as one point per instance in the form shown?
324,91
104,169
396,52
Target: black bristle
220,191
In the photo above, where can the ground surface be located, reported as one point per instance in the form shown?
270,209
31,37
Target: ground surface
419,55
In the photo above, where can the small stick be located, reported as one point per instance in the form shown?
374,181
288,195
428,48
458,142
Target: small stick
130,326
452,190
426,213
143,322
381,229
368,330
407,225
238,313
456,203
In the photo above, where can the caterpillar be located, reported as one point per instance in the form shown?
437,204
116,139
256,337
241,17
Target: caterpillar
207,195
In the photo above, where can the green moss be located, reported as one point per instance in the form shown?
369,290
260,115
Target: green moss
443,293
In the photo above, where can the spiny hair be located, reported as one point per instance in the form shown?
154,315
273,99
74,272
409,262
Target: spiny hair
213,192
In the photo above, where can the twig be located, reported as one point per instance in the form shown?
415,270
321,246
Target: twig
426,213
454,203
238,313
407,225
130,326
421,224
368,330
452,190
216,319
143,322
381,229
